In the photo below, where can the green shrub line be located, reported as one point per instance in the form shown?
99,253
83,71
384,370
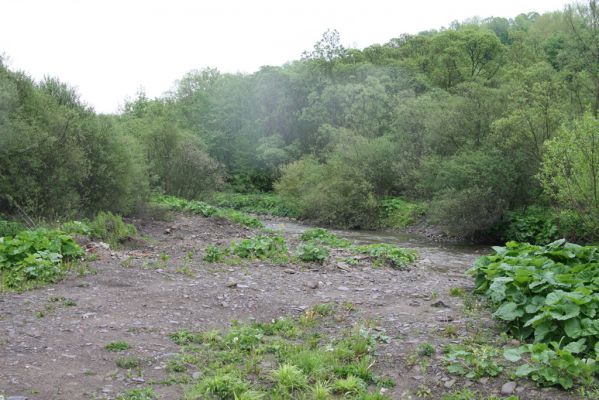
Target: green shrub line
546,294
201,208
255,203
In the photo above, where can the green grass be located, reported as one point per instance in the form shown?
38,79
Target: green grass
117,346
206,210
282,359
128,362
138,394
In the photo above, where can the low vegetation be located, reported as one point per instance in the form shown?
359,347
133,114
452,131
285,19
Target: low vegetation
285,359
261,247
35,257
206,210
255,203
547,295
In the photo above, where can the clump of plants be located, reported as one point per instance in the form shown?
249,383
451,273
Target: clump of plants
261,247
324,237
146,393
383,254
284,359
10,228
546,294
473,361
256,203
400,213
35,257
312,253
117,346
206,210
111,228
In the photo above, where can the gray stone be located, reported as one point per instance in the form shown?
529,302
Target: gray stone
449,383
508,388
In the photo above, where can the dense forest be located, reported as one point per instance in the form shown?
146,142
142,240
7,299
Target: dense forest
490,124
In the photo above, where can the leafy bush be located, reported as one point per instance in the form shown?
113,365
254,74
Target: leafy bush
473,362
334,193
76,228
532,225
547,293
551,365
259,247
9,228
111,228
258,203
37,256
324,237
309,252
387,254
399,213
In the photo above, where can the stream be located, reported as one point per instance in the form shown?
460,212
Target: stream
444,257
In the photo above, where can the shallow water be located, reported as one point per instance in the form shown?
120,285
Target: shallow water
442,256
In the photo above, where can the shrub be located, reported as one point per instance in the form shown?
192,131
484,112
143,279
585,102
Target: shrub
9,228
309,252
400,213
387,254
324,237
36,256
111,228
532,225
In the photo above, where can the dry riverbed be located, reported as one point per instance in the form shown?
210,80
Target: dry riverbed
52,339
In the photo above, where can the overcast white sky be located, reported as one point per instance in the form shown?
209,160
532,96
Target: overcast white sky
109,49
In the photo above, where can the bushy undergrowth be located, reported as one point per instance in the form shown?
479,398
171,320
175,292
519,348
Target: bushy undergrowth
312,253
260,247
106,226
35,257
10,228
257,203
282,359
547,294
201,208
400,213
324,237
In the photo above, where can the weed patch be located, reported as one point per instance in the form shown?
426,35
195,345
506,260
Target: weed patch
35,257
283,359
260,247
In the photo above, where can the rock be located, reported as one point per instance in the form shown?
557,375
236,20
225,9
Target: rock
508,388
138,380
414,303
439,304
196,375
343,288
231,284
289,271
449,383
313,284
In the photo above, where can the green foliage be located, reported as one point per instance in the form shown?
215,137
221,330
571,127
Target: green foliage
571,169
117,346
426,349
283,359
324,237
138,394
35,257
533,225
59,157
206,210
383,254
9,228
257,203
312,253
128,362
549,364
260,247
547,293
473,361
111,228
399,213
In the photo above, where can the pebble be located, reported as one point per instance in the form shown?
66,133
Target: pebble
508,388
343,288
449,383
312,285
